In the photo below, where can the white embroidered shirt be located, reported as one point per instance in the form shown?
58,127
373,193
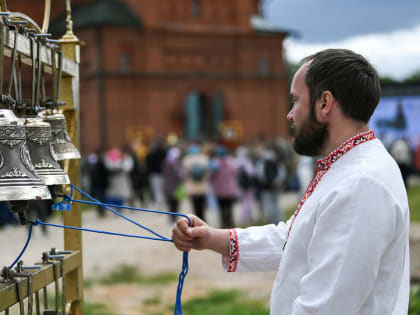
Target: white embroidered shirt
347,251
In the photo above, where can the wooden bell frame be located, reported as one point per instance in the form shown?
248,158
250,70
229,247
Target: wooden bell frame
70,267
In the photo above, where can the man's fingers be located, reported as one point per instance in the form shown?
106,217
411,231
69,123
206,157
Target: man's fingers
183,249
180,235
196,221
186,237
198,232
183,246
181,241
182,224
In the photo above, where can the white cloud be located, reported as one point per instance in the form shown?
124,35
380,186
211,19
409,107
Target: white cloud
395,54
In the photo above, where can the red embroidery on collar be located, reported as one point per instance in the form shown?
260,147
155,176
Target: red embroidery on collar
234,251
325,164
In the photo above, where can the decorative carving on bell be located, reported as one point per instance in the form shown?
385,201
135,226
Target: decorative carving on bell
38,136
18,179
60,140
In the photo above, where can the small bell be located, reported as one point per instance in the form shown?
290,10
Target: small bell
60,140
18,179
38,136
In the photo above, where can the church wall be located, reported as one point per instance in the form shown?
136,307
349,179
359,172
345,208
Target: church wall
147,73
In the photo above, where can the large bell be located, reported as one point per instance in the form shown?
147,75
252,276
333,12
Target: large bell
38,136
60,140
18,179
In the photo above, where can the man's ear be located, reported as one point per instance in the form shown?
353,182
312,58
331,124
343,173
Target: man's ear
325,104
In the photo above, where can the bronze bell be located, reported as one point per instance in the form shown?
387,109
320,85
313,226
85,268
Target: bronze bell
18,179
38,137
60,140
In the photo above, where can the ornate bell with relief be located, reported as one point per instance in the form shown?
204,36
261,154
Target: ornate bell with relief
18,179
38,137
60,140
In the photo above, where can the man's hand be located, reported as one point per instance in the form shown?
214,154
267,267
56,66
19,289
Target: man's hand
199,236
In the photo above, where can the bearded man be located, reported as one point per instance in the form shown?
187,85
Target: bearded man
345,250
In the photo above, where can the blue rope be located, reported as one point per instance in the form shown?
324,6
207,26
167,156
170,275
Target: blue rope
37,221
107,206
182,275
24,247
65,204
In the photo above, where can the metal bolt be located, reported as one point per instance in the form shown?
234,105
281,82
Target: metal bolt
55,251
43,35
56,256
6,274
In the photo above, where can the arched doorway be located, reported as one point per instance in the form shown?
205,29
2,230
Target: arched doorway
203,115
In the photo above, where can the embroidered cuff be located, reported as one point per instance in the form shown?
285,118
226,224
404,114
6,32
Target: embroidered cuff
231,262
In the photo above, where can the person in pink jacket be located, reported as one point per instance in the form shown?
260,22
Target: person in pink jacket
223,178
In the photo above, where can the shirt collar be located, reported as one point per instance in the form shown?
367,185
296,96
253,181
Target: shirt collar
325,163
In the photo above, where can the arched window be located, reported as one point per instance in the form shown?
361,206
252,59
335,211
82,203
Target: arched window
264,66
192,115
203,115
195,8
125,62
218,110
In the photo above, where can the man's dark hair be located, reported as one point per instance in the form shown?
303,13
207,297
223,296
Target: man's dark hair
349,77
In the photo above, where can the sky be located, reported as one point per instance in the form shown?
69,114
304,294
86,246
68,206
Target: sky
386,32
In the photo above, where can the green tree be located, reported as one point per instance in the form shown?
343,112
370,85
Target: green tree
413,78
388,80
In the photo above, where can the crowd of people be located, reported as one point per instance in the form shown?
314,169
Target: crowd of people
208,175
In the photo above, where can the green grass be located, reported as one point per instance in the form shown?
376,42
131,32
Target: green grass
289,212
224,302
414,305
413,193
231,302
88,283
131,275
155,300
96,309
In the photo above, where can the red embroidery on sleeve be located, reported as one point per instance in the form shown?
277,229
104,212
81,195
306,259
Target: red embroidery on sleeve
234,251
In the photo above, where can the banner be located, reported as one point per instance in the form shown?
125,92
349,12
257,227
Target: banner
397,117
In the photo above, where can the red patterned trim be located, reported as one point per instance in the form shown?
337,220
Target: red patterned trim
325,164
234,251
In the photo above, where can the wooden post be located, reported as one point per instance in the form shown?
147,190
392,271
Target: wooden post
69,93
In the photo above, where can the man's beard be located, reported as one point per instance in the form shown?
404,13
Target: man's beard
310,138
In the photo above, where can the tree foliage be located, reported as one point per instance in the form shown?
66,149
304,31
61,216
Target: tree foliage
413,78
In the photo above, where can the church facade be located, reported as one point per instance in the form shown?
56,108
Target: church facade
175,66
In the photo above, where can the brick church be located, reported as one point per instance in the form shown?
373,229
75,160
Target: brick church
174,66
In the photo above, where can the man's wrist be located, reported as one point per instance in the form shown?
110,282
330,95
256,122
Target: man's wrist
220,241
